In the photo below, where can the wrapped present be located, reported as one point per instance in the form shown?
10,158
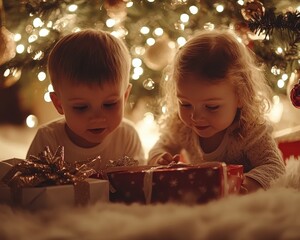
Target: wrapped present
48,181
182,183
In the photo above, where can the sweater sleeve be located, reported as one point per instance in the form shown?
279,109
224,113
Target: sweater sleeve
166,143
264,156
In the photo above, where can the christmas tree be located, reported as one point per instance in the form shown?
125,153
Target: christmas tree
152,30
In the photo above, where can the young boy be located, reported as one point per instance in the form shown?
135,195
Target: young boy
89,71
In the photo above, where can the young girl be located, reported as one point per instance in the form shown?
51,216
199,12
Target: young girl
217,98
89,71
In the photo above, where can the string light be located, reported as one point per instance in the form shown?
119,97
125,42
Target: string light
20,48
47,97
31,121
280,83
42,76
136,62
72,8
150,41
158,32
219,8
193,10
144,30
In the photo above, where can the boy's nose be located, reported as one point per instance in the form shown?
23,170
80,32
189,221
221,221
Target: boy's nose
99,115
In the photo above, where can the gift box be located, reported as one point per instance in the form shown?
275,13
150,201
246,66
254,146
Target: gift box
48,181
35,198
177,183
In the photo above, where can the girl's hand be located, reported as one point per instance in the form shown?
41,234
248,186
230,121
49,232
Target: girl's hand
167,158
249,185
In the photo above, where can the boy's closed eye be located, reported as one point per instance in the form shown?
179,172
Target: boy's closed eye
80,108
108,105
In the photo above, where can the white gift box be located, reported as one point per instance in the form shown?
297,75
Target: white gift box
34,198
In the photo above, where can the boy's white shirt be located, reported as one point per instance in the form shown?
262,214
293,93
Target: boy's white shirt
123,141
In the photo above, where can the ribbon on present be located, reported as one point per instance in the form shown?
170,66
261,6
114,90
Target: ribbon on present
148,178
49,169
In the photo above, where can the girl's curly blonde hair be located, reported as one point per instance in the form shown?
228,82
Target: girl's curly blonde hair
218,55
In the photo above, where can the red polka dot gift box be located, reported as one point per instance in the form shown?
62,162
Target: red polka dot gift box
182,183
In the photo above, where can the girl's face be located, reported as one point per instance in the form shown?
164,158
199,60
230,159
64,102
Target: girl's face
91,112
207,108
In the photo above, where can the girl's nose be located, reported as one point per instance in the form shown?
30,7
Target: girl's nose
197,115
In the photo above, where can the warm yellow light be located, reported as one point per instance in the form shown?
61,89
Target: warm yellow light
284,77
139,50
6,72
279,50
17,37
158,31
276,111
20,48
129,4
181,41
32,38
219,8
136,62
280,83
110,22
135,76
184,18
37,22
47,97
50,88
31,121
194,10
41,76
144,30
275,70
209,26
138,70
44,32
150,41
38,56
72,8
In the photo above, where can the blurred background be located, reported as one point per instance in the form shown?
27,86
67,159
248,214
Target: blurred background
153,30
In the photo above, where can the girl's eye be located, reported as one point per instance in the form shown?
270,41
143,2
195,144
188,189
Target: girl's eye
212,108
80,108
183,104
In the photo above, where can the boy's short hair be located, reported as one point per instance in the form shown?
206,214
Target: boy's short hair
89,56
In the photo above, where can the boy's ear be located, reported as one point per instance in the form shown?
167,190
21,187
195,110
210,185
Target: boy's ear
127,92
56,102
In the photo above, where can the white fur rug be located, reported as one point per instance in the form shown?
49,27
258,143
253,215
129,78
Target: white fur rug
272,214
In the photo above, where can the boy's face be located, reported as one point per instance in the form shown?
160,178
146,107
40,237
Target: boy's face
205,107
91,112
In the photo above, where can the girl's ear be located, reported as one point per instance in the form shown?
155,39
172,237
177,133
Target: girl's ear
56,102
127,92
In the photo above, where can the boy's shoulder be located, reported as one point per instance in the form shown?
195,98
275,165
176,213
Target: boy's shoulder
55,125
